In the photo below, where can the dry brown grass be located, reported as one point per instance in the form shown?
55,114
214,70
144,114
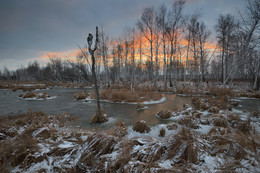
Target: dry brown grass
141,127
162,132
200,103
255,114
19,145
139,106
172,126
188,121
218,120
81,95
213,109
126,95
99,117
164,114
120,129
221,91
183,147
32,94
183,107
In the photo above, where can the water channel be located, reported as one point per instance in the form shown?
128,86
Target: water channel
63,101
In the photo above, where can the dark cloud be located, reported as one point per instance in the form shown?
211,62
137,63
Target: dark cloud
29,27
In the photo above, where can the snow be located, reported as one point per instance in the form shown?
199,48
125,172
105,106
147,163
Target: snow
163,99
34,98
167,164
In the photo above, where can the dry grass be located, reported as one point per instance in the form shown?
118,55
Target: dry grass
172,126
139,106
219,120
216,91
126,95
200,103
188,121
213,109
162,132
120,129
164,114
81,95
255,114
99,117
183,147
19,145
141,127
35,95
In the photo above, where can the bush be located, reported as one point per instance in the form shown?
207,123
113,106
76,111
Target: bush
141,126
164,114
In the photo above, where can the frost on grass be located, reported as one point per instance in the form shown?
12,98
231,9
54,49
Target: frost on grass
36,96
225,142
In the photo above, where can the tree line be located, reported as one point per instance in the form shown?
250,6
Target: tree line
165,46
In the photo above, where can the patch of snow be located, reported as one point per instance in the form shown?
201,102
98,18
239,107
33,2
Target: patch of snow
167,164
66,144
204,129
163,99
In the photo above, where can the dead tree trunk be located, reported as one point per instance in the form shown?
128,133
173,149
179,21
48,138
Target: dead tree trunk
98,117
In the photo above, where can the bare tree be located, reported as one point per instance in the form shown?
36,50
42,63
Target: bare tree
161,20
175,22
98,117
225,29
146,26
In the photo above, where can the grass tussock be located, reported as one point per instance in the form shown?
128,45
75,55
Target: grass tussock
162,132
200,103
164,114
213,109
120,129
99,117
184,147
80,95
126,95
139,106
32,94
141,127
22,134
188,121
216,91
172,126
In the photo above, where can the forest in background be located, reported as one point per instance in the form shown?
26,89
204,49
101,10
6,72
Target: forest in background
165,46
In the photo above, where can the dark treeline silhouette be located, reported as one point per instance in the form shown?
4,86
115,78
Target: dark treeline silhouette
165,47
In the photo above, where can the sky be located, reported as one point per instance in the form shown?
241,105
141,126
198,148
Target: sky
35,29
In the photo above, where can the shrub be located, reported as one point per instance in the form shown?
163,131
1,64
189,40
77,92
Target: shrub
164,114
141,126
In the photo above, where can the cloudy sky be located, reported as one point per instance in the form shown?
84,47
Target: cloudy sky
32,29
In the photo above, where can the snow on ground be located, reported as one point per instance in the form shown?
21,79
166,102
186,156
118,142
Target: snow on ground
163,99
35,98
208,148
